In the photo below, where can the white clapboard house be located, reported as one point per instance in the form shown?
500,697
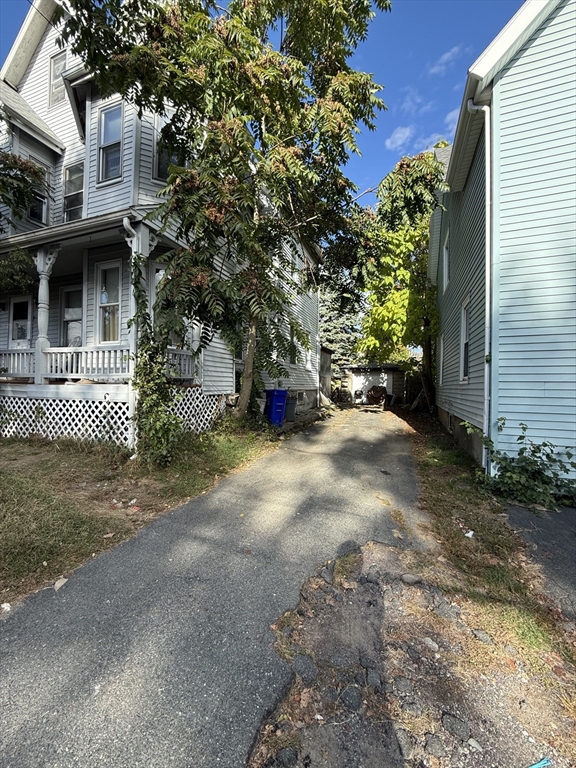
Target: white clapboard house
66,349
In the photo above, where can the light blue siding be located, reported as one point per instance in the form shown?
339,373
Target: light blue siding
465,217
534,313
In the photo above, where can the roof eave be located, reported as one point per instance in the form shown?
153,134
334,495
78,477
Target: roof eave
24,47
479,83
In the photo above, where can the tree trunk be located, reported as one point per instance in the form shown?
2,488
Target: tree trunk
427,377
248,374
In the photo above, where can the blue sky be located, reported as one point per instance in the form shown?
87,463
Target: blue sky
420,53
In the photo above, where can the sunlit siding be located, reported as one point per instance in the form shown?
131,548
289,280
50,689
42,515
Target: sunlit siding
534,347
465,217
113,195
35,89
217,367
147,185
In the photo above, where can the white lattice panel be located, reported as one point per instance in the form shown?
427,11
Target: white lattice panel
197,410
52,417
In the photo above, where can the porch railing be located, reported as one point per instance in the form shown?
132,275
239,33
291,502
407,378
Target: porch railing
182,364
89,363
17,363
86,363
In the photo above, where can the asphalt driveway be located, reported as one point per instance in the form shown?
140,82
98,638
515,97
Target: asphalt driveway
159,653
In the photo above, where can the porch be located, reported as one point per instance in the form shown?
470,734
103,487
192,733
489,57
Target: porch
96,364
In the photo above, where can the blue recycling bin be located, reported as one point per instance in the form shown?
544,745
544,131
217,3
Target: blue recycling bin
275,406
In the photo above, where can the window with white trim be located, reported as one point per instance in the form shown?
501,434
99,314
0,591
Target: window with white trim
71,318
446,261
308,360
73,192
57,87
20,333
38,209
108,294
465,340
110,143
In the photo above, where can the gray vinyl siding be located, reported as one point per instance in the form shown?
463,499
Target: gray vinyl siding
147,185
116,194
34,88
465,217
217,368
534,324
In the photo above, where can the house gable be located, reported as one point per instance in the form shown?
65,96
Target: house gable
534,312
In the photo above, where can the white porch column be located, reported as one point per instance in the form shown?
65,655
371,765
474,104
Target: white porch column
141,242
44,260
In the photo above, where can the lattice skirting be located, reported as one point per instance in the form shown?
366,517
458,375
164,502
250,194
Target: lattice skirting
197,410
99,419
52,417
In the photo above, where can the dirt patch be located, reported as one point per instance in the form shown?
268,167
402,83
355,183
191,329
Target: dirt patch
391,670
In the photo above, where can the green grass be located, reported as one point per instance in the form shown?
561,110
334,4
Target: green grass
42,533
490,564
56,498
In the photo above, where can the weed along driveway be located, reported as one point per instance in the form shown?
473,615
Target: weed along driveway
159,653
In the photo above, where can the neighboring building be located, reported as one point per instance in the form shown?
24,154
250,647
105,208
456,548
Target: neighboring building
364,377
503,250
66,351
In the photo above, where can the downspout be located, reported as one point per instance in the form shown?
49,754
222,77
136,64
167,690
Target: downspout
486,427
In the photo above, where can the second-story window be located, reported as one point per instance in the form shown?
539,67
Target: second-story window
38,210
57,87
73,192
110,143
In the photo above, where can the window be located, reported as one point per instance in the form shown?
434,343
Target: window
38,210
110,143
465,341
162,157
71,328
73,192
57,87
20,333
446,261
108,301
308,360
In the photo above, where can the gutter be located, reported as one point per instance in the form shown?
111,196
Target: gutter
66,231
486,425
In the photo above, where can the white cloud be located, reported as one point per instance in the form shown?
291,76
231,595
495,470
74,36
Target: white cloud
427,142
414,104
445,61
400,137
451,121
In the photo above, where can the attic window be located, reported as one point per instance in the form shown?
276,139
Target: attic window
57,87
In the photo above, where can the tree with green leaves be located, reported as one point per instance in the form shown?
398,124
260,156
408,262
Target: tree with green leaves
20,179
262,108
340,329
401,298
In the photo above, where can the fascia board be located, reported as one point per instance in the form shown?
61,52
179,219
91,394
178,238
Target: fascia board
67,231
41,137
510,40
479,82
27,40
